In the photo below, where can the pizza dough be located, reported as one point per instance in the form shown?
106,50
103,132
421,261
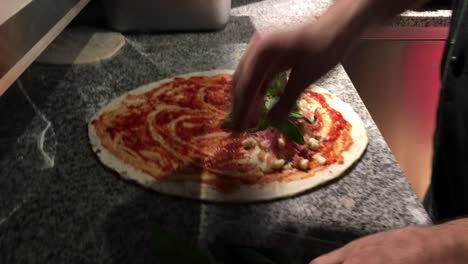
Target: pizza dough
81,46
303,181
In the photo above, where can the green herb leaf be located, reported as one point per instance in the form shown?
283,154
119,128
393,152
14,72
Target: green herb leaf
277,86
263,123
291,131
270,103
299,115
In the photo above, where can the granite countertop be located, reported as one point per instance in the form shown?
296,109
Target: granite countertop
58,204
287,12
433,18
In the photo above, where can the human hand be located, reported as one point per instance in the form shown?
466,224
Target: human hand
412,245
308,50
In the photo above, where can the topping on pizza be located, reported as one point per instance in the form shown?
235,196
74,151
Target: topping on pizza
174,132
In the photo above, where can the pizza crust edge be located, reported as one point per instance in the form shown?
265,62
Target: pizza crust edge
246,193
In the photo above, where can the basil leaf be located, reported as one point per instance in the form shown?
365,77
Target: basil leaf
277,86
263,123
299,115
270,103
291,131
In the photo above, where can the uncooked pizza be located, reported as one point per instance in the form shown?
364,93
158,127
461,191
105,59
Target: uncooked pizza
169,136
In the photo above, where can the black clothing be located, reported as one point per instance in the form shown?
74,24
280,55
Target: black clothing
448,194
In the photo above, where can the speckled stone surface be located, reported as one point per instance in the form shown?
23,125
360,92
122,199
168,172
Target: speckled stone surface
285,13
58,204
434,18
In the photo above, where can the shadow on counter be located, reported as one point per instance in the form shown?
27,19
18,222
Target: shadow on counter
136,230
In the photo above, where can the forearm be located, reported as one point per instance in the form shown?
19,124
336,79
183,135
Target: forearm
457,233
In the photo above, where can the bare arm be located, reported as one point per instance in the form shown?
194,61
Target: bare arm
445,243
458,232
309,50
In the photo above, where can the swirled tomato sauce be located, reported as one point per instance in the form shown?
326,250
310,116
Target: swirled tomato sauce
340,131
206,101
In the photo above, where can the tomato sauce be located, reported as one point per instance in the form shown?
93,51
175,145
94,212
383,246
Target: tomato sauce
195,107
339,132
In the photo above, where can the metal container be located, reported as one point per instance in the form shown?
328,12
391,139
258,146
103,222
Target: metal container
166,15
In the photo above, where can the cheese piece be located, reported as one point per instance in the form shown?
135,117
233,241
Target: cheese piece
322,160
304,164
278,164
249,143
281,142
313,143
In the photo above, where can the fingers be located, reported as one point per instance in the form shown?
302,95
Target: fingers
297,82
241,106
251,48
250,82
247,97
